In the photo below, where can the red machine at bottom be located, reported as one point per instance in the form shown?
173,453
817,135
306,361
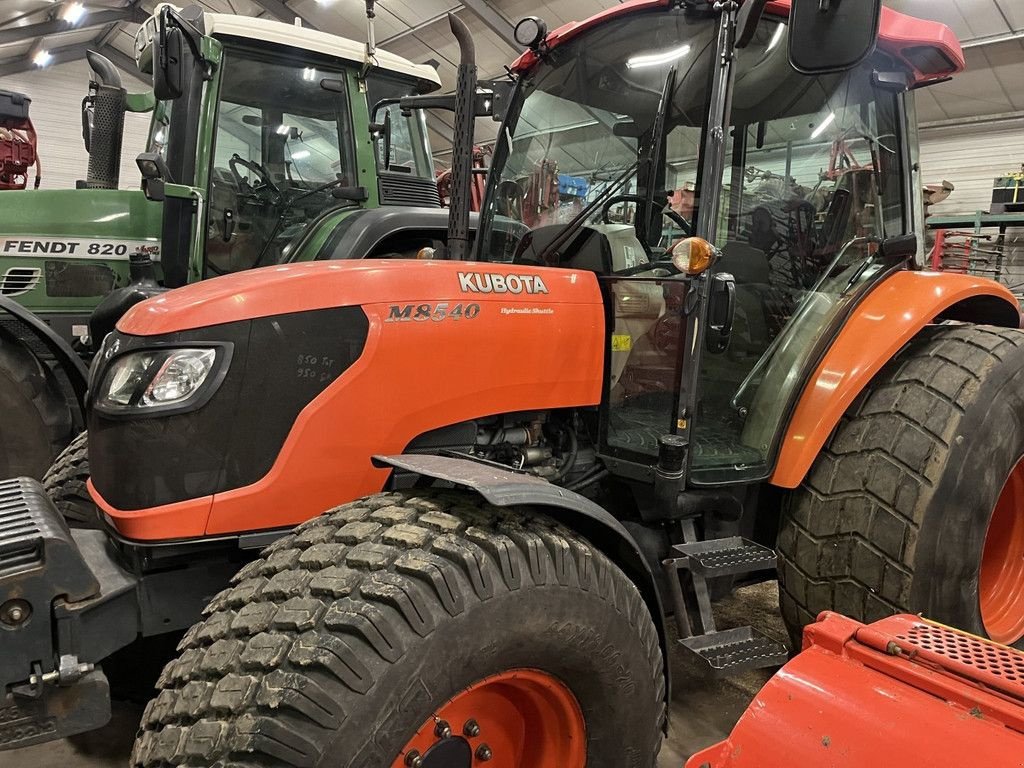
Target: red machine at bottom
901,691
19,149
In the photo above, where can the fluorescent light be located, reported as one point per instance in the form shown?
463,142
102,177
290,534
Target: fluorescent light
283,130
824,124
73,12
654,59
309,73
777,37
300,155
42,58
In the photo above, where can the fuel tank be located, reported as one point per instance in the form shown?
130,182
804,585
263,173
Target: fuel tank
330,363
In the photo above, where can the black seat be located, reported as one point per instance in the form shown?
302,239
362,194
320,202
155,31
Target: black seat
586,249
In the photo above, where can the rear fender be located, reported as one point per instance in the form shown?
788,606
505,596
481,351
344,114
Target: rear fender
889,317
504,488
67,360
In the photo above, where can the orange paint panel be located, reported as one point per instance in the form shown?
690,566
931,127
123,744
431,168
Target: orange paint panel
887,319
501,344
181,520
412,378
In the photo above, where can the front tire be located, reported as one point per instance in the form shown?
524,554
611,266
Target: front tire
344,641
916,504
35,420
64,482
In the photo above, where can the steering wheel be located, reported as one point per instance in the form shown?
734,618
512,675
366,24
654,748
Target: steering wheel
668,213
264,180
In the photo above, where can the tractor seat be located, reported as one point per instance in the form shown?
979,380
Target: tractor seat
588,249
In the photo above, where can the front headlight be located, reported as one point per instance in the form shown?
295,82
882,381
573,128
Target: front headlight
157,380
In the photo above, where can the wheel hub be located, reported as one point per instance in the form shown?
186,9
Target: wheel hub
521,718
453,752
1001,577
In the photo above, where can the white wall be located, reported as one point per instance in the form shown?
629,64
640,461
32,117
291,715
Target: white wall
971,156
56,94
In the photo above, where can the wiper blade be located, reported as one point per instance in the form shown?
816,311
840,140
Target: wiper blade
577,221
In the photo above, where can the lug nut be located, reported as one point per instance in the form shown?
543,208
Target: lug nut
413,759
471,729
483,753
442,730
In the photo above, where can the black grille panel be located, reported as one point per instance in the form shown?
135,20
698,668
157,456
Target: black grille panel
404,189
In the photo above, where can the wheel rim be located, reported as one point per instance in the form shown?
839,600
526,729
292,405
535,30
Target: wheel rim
521,718
1001,581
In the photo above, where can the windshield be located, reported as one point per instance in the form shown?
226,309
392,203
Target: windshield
283,135
586,141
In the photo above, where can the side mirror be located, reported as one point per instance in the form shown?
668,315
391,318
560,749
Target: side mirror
721,312
382,132
169,61
832,35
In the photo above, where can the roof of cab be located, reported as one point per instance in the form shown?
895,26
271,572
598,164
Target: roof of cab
899,35
304,38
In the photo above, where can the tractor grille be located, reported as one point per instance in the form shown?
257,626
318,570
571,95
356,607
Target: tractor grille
404,189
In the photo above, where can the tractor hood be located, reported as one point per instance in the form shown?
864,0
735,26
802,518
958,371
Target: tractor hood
66,249
321,285
307,370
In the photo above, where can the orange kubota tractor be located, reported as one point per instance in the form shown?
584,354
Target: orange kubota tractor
567,431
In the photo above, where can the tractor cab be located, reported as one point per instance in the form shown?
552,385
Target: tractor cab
737,186
615,159
282,136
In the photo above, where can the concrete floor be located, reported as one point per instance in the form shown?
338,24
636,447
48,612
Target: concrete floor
703,711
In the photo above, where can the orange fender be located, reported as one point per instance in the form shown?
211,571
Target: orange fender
891,315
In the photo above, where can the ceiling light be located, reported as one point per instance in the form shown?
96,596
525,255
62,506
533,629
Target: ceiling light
779,29
654,59
282,130
824,124
42,58
309,73
73,12
300,155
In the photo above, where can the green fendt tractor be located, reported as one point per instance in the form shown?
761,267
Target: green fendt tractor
267,142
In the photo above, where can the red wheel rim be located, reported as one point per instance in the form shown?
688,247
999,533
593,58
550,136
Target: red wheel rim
1001,581
521,718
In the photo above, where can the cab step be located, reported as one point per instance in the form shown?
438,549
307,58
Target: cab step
687,569
733,651
724,557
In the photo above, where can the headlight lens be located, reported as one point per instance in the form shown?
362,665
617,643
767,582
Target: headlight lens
156,378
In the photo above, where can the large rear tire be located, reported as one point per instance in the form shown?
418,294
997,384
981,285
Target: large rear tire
65,480
916,503
35,420
349,636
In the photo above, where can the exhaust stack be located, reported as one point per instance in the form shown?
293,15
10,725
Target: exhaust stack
462,142
107,98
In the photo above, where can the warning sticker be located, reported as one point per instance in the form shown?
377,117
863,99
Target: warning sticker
621,342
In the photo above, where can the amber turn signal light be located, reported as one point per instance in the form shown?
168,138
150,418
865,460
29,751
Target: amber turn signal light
693,255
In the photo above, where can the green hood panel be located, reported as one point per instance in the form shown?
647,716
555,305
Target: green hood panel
64,250
110,213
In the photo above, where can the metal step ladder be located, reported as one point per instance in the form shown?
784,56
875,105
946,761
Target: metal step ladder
688,568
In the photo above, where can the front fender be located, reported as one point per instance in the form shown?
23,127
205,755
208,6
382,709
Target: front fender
68,361
505,488
889,317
